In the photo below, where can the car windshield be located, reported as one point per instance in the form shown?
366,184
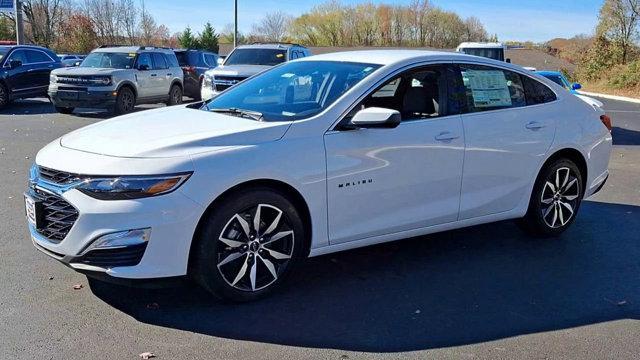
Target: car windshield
109,60
257,56
558,80
292,91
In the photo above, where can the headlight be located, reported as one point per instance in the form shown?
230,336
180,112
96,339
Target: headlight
131,187
208,80
53,78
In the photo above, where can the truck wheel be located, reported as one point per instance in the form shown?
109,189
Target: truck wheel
125,101
64,110
175,96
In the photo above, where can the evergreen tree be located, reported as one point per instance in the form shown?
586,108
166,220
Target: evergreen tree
187,40
209,39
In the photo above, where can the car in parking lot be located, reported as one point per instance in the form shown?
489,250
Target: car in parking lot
318,155
194,63
559,78
247,60
24,72
117,79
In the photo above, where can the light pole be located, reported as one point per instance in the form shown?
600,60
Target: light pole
17,5
235,23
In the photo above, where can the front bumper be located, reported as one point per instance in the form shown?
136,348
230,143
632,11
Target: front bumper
83,98
172,219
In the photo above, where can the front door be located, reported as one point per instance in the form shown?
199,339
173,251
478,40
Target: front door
145,76
382,181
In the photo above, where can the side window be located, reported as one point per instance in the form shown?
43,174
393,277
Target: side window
417,94
172,60
212,60
537,92
488,88
144,59
159,62
300,54
18,55
35,56
293,55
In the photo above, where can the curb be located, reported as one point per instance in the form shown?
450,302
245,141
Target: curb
611,97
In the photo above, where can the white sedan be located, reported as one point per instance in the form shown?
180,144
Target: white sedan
314,156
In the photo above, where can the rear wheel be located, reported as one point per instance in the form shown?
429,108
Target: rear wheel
249,245
125,101
555,201
175,96
64,110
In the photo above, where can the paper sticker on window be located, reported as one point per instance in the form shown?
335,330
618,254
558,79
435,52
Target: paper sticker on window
489,88
279,55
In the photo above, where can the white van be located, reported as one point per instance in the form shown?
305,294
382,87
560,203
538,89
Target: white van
491,50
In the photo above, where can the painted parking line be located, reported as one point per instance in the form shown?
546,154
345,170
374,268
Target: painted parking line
623,111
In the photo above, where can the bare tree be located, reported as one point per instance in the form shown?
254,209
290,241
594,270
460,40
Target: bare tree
42,17
273,27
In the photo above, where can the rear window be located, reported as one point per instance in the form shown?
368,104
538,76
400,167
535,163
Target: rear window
489,88
537,93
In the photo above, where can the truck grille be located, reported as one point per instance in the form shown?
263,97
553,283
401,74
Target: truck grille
57,177
58,216
221,83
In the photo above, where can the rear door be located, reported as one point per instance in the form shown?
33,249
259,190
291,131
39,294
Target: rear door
40,65
507,135
164,75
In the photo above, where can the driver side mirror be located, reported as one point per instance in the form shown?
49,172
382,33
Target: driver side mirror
375,117
576,86
14,64
143,67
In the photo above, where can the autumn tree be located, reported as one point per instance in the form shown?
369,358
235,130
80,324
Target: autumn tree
619,23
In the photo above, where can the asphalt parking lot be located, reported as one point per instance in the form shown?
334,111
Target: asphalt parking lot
482,292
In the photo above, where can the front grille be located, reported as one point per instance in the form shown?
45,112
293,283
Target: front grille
127,256
221,83
58,216
56,176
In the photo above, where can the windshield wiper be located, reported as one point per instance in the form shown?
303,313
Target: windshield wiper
240,112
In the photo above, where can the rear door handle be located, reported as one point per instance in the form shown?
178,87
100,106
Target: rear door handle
446,136
169,74
534,125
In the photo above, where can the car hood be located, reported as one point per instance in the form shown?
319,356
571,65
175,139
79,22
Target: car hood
171,132
238,70
76,70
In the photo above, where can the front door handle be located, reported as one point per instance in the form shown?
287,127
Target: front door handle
169,74
446,136
154,75
534,125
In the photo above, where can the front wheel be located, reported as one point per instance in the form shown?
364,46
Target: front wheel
248,245
125,101
555,200
4,97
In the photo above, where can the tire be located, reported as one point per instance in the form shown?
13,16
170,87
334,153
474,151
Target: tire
4,97
64,110
238,267
551,210
175,96
125,101
198,95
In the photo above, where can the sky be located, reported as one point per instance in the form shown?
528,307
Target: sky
519,20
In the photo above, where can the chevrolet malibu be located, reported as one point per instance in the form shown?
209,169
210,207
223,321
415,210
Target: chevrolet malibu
314,156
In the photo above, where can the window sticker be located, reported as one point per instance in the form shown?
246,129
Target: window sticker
489,88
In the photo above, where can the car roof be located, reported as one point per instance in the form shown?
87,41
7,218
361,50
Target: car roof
132,49
481,45
388,57
268,46
9,47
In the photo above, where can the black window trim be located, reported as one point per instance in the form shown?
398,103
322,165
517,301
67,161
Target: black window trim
336,125
456,63
25,49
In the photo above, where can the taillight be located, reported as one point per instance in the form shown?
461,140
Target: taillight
606,120
189,69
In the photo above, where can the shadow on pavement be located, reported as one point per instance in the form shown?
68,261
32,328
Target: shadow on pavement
29,107
455,288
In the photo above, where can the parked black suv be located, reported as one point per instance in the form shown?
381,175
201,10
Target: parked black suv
24,72
194,63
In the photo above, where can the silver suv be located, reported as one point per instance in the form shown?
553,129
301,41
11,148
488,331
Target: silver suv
117,79
246,61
